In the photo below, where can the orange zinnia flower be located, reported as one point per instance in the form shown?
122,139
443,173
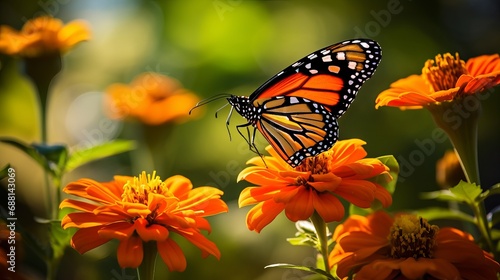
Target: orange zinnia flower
42,35
315,185
142,209
407,247
443,79
152,98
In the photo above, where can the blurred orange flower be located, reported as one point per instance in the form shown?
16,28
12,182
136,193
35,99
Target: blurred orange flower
142,209
315,185
42,35
407,247
152,98
448,170
443,79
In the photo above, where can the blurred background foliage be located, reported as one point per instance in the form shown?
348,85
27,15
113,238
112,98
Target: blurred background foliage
233,46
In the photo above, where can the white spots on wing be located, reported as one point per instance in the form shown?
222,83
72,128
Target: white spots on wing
294,100
341,55
327,58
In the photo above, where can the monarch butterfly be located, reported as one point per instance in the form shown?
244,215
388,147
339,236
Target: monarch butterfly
297,109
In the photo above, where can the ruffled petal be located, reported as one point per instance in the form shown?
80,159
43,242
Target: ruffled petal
262,214
411,92
152,232
484,64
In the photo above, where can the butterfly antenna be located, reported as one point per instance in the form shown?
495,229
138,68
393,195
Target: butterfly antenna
210,99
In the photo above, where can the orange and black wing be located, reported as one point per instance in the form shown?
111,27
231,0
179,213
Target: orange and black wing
296,127
331,76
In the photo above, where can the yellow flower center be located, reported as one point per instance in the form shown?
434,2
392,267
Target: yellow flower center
412,237
138,189
317,164
443,72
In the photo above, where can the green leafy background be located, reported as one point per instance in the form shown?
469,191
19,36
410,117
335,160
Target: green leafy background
233,46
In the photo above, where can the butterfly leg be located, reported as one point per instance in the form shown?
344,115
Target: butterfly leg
250,139
227,120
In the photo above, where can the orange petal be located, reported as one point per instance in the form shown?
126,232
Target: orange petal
72,34
197,198
121,230
85,220
300,206
206,246
358,192
383,195
482,82
86,239
179,186
151,232
347,151
379,272
484,64
253,195
77,205
329,207
130,253
438,268
173,108
262,214
172,255
411,91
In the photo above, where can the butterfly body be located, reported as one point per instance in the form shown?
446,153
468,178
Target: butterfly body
297,109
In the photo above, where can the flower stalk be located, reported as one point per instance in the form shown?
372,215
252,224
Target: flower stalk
146,271
321,233
462,134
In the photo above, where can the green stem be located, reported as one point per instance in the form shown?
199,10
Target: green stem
146,271
461,127
321,232
482,223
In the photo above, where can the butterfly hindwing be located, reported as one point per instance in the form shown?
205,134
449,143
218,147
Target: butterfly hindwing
297,127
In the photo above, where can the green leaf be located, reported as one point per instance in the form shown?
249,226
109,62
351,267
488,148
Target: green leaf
303,268
437,213
305,235
463,192
384,179
495,189
495,235
81,157
4,172
467,192
30,151
355,210
59,239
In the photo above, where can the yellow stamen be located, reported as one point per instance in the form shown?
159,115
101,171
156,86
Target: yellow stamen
317,164
138,189
412,237
443,72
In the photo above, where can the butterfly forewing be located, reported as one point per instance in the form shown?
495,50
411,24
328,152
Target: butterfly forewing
331,76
